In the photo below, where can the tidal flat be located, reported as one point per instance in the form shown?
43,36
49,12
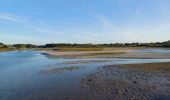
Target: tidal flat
117,52
130,82
38,75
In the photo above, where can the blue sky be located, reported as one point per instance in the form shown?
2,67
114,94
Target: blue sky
84,21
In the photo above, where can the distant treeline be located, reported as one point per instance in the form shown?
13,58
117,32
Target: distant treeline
53,45
17,46
157,44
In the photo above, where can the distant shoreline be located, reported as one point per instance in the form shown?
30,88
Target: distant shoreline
110,53
114,52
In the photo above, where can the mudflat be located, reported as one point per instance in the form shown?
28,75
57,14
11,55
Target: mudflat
150,67
130,82
44,77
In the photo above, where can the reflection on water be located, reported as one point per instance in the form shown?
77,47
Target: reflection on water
20,77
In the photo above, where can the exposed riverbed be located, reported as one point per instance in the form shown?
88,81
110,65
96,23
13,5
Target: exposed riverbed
31,75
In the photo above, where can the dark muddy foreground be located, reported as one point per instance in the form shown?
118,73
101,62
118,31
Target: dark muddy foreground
124,83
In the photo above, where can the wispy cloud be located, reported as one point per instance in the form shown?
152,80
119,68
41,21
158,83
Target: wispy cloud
151,32
9,17
45,30
147,22
106,23
25,21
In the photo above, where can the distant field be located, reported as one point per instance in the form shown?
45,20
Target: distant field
80,49
5,49
73,49
91,48
107,53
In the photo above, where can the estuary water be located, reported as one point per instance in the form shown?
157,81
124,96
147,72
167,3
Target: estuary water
30,75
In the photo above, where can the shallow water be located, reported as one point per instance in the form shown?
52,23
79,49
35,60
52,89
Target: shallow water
22,75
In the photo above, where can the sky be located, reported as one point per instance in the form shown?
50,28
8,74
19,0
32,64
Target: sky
84,21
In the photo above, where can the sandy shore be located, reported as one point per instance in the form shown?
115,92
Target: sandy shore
130,82
110,53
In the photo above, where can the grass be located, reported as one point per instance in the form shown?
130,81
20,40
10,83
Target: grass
11,49
72,49
107,53
84,49
100,54
5,49
80,49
